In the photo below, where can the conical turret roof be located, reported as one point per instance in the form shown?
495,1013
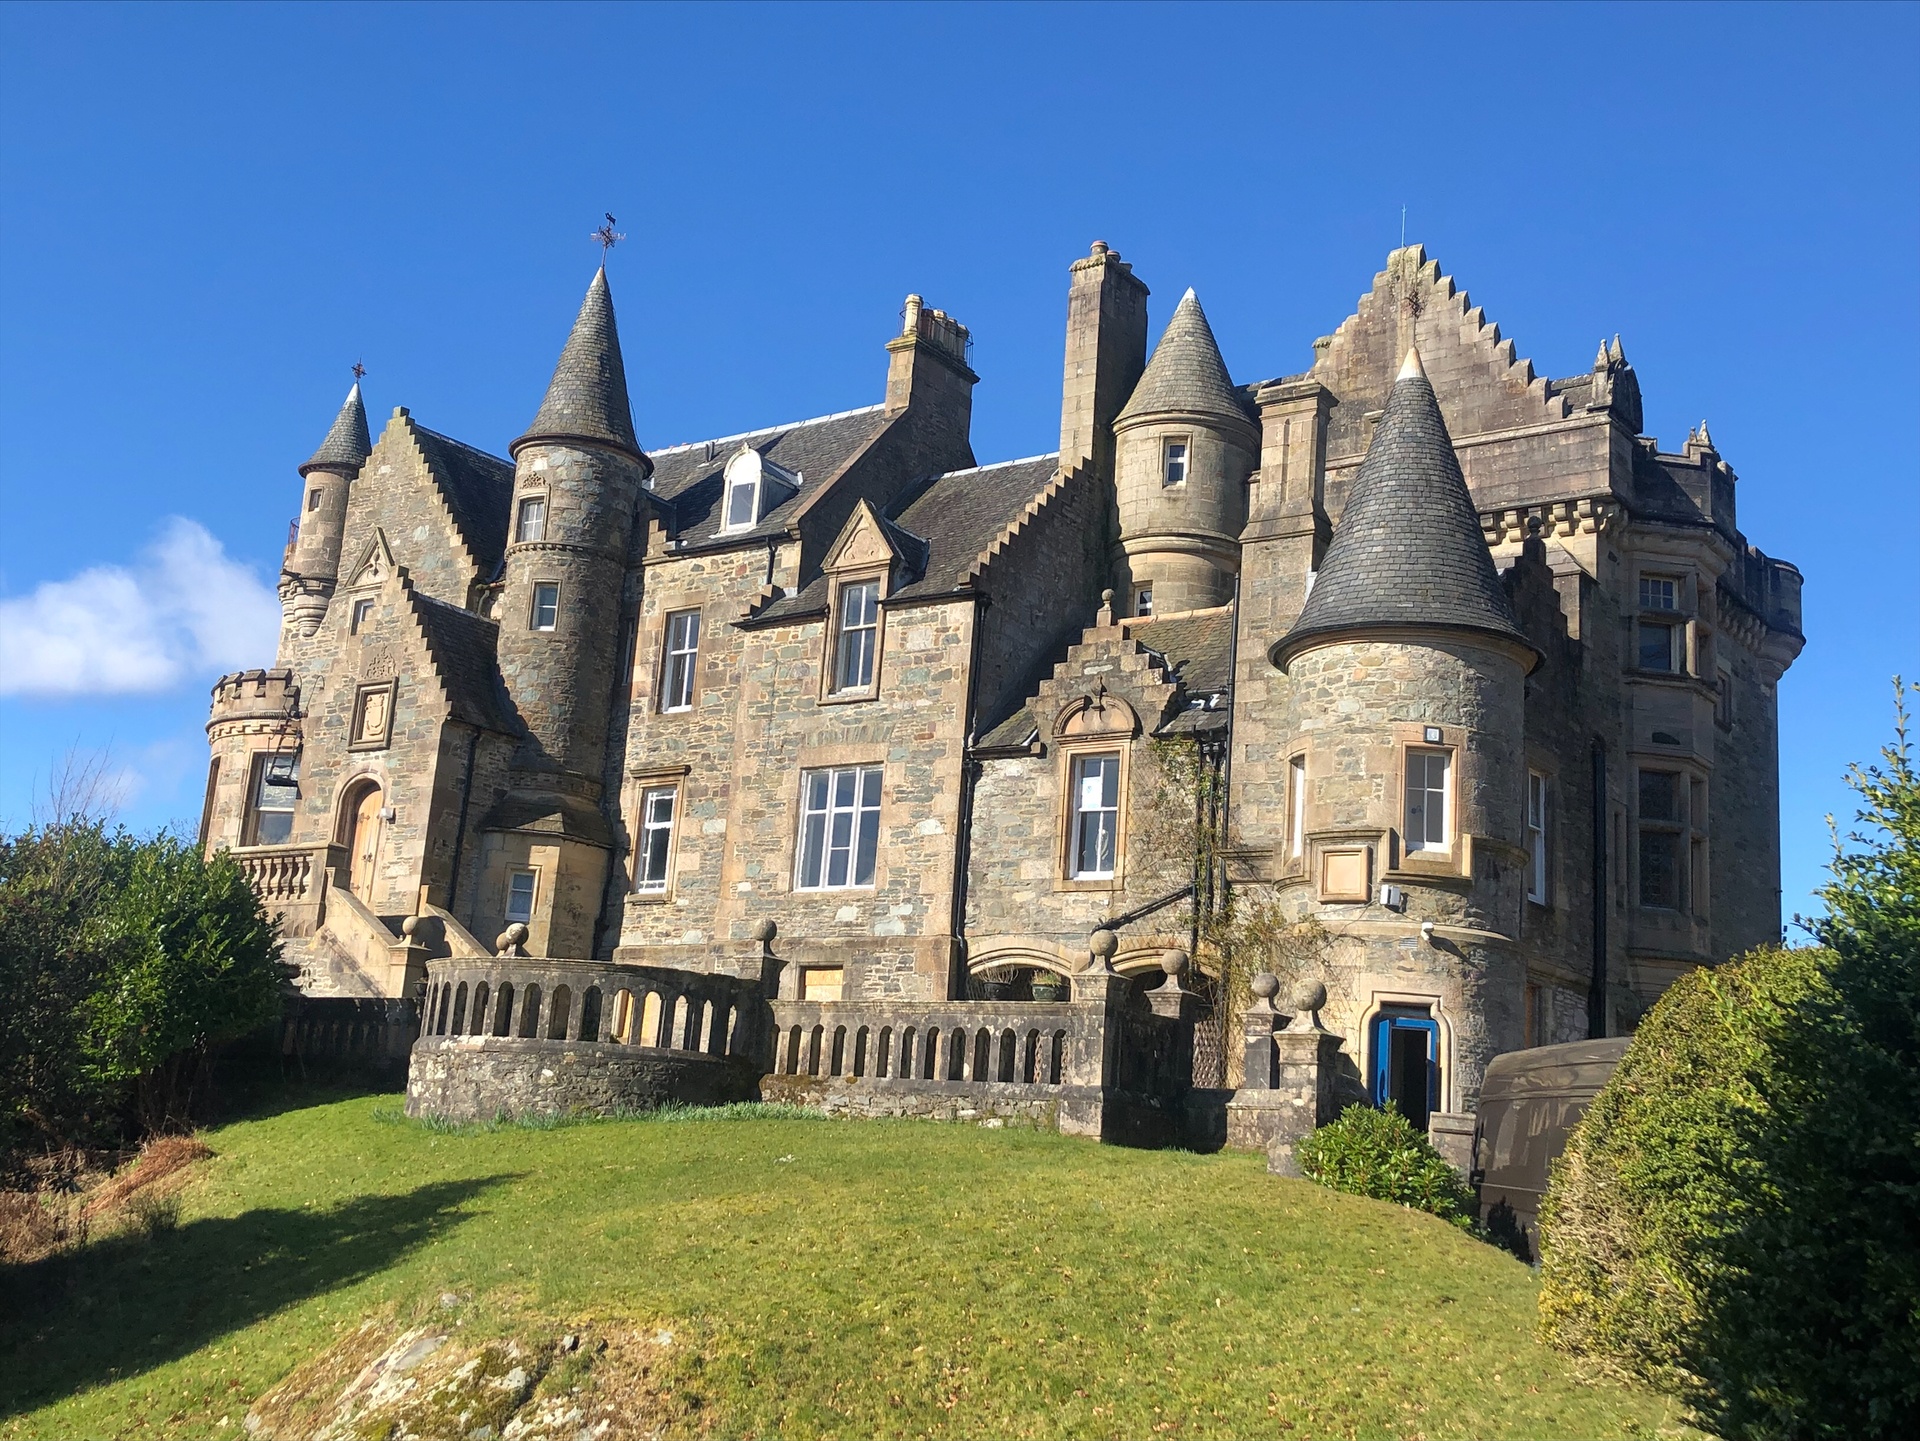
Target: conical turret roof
1408,551
1186,373
347,445
588,397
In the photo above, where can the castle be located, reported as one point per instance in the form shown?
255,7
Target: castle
786,747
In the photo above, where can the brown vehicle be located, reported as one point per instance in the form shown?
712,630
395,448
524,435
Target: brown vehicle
1529,1102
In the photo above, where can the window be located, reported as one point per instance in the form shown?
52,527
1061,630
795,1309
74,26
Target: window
1658,646
839,828
1536,1015
1096,816
1660,840
1174,462
683,649
656,838
1659,592
276,792
1297,799
1723,698
1426,800
520,885
859,635
1536,837
362,613
313,499
532,524
1143,600
546,606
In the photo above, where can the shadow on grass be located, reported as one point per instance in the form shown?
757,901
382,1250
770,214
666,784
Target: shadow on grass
129,1303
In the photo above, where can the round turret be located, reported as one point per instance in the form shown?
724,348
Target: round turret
1185,445
312,563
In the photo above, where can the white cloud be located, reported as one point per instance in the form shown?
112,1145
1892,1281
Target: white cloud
183,608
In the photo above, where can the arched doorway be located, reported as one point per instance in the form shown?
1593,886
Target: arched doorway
361,828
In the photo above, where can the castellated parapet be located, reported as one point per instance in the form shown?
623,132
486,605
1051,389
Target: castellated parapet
252,698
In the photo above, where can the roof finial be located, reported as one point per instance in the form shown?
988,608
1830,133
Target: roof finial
607,236
1705,440
1619,355
359,372
1600,359
1411,366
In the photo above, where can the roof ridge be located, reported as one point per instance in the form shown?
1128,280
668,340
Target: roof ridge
767,429
998,465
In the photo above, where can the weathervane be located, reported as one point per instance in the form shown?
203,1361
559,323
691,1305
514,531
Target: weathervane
608,236
359,372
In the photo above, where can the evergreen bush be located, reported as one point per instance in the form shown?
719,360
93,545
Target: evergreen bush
1378,1153
1738,1216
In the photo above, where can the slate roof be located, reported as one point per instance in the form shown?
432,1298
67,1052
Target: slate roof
479,492
949,522
687,478
1198,647
348,444
1408,550
465,652
1012,734
1186,373
588,394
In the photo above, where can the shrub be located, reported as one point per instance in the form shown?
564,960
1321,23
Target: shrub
1378,1153
1738,1216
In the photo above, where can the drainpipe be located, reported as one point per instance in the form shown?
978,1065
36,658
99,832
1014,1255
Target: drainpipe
1597,987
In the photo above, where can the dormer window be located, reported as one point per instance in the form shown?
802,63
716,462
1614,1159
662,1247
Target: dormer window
754,486
1173,470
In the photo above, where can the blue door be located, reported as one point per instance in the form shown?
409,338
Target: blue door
1406,1063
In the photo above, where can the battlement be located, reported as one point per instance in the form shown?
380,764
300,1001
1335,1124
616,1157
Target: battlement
255,695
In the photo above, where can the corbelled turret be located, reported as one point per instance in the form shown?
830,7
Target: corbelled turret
1186,444
313,559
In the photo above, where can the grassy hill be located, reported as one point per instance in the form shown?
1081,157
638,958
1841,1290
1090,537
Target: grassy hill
804,1277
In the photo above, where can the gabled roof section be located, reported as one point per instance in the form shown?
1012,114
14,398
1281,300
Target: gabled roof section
687,479
1197,646
1186,375
464,647
944,531
1408,551
869,538
587,398
348,444
478,491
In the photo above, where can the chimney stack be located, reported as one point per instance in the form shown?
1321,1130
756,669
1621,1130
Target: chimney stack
1106,352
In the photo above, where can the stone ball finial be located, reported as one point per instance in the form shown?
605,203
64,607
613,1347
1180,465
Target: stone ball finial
1106,597
1103,943
1310,997
511,939
409,925
764,930
1265,985
1174,962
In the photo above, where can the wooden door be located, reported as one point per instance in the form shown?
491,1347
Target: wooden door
363,849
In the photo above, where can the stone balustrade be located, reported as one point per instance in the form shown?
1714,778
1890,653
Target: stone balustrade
291,882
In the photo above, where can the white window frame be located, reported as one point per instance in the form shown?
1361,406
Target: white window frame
1651,598
530,520
856,637
1103,813
1297,806
1143,600
1176,460
659,814
531,890
286,763
1538,809
1419,838
680,662
748,485
839,822
536,608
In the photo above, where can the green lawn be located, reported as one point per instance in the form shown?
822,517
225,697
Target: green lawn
846,1278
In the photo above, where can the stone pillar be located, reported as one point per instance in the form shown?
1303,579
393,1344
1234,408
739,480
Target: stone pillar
1452,1135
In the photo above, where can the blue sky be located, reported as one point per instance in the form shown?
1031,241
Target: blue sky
208,213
